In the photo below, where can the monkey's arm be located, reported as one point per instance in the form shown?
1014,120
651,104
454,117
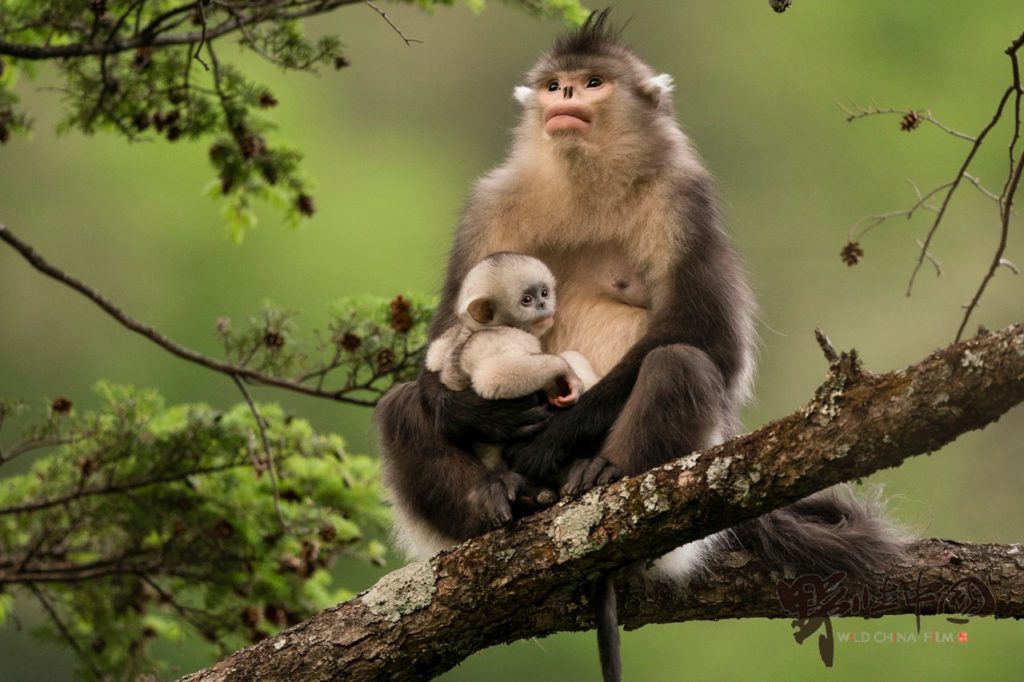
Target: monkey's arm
580,430
439,349
584,370
516,375
508,363
464,418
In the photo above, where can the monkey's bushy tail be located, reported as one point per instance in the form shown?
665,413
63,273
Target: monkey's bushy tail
834,530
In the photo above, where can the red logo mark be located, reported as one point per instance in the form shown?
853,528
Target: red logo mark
962,637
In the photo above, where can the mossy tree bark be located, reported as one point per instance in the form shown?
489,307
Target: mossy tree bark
531,578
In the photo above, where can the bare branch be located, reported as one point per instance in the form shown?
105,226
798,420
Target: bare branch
1006,199
267,451
874,221
923,114
955,184
1007,207
384,16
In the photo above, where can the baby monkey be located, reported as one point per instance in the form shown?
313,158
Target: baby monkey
506,303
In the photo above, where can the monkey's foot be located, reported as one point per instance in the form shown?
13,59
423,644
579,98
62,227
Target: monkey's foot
495,496
584,474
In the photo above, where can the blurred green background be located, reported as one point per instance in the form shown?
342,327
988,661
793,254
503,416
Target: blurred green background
394,143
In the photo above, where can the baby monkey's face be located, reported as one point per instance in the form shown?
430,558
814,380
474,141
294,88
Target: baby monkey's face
535,308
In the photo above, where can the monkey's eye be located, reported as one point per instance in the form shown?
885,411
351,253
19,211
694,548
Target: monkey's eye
544,292
595,82
553,86
526,300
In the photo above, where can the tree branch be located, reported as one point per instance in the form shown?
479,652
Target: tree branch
152,37
126,320
519,581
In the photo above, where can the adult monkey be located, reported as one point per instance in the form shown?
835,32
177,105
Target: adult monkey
603,186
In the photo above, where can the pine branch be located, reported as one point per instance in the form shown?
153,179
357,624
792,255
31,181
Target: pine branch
527,579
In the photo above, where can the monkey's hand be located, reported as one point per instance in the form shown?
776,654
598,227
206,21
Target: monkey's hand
566,391
540,458
463,417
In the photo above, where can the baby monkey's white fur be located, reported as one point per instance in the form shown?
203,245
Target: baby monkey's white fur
495,347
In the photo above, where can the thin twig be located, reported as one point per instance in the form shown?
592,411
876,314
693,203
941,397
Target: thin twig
1007,207
271,467
39,263
923,114
51,611
981,188
931,258
1009,189
1015,65
202,37
908,213
955,184
30,445
111,489
1009,265
826,346
384,16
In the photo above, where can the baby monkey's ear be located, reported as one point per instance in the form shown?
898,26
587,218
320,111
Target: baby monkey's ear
481,310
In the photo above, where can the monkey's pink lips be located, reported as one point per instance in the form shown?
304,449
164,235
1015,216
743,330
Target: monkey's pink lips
566,117
543,323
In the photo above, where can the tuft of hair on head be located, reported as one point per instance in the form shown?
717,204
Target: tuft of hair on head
595,36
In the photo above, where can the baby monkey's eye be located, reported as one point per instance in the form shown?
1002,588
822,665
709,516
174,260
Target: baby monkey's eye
544,292
527,299
553,86
595,82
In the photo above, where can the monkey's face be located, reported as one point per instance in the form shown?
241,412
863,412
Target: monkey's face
534,309
593,102
571,102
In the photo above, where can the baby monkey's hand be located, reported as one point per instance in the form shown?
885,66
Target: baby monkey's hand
566,391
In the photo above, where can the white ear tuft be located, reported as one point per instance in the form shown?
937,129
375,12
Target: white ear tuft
656,87
523,94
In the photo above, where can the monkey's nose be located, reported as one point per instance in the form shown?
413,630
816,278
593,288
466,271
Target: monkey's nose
567,92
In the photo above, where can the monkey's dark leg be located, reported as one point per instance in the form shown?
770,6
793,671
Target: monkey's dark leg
678,405
444,485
